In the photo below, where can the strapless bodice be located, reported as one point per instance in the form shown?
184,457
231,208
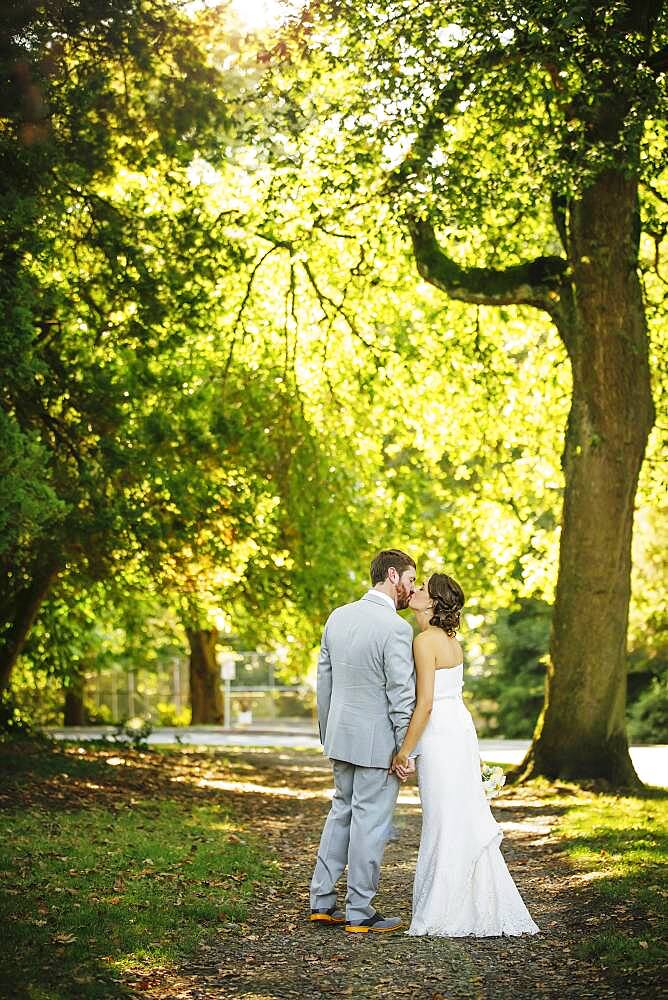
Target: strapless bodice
449,682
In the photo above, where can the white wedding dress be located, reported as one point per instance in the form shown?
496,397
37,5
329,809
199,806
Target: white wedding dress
462,885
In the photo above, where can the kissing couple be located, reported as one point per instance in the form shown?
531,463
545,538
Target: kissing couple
386,699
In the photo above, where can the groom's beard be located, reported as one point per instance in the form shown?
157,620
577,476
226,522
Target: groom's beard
403,597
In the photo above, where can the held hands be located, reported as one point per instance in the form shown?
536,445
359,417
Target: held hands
403,766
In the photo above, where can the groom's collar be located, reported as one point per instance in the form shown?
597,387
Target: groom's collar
377,596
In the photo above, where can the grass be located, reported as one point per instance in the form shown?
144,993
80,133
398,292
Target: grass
90,892
115,865
620,845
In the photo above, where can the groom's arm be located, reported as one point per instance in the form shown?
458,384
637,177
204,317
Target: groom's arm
399,677
324,684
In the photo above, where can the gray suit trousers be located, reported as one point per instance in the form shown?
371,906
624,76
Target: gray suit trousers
355,834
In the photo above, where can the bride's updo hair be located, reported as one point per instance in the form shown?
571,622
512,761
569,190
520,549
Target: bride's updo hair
448,598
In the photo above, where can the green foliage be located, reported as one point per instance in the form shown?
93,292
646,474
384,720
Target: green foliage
223,388
169,715
481,118
648,715
133,733
15,724
97,278
459,115
508,693
29,505
507,688
88,627
171,445
33,699
485,130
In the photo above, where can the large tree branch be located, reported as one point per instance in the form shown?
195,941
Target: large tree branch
537,283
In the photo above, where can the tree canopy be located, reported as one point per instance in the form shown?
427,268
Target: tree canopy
271,303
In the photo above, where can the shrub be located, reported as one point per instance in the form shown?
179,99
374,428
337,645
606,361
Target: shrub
134,732
169,715
648,716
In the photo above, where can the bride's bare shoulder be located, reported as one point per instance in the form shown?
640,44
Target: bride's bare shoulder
423,643
427,641
448,651
423,640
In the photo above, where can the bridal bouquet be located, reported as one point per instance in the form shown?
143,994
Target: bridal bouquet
493,780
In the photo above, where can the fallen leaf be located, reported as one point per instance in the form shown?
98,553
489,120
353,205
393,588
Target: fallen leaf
62,938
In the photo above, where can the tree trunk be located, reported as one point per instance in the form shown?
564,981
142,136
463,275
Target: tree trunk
594,297
205,694
74,713
581,730
20,615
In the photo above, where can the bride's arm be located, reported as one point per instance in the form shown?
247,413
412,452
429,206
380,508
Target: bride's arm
425,667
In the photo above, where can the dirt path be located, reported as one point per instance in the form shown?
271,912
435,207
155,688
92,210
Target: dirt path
284,798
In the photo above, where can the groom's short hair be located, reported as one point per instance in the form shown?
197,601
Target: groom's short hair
382,563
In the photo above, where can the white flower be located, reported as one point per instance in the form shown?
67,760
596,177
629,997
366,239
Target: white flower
493,780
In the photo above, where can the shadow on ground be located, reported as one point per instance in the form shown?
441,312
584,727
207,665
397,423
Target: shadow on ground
281,798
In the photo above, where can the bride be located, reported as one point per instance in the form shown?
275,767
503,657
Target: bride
462,885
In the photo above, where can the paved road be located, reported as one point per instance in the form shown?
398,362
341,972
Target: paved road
651,762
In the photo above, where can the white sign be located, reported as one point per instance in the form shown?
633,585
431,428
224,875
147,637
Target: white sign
228,669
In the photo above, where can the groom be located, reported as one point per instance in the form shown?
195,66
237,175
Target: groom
366,695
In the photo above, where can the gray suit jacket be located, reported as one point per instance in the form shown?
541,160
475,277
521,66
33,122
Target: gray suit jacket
366,682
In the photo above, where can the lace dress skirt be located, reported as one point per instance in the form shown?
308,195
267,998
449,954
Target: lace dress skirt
462,884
